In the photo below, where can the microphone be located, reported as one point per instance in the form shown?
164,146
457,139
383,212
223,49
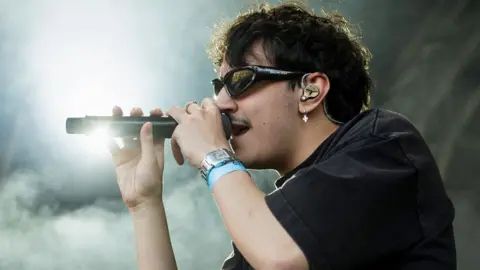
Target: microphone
129,126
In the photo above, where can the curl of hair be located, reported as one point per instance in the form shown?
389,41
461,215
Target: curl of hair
295,38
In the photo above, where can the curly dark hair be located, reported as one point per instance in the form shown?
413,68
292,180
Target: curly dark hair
294,38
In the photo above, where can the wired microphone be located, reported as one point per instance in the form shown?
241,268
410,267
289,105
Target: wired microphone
130,126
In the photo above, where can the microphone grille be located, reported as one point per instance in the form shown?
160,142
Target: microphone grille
227,125
74,125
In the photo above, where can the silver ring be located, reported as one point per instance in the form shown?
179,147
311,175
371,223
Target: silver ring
188,104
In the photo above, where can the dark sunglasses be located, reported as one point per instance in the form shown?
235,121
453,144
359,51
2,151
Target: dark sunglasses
238,80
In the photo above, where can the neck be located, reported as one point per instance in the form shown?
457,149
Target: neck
316,132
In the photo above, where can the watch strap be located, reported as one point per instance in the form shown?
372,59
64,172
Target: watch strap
221,169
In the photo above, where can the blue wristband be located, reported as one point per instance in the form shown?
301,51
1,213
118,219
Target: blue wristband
220,170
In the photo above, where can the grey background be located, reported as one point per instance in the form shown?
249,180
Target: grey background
59,203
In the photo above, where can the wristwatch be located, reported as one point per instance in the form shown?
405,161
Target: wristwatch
215,158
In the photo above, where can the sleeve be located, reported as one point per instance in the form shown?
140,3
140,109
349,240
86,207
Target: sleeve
353,209
236,261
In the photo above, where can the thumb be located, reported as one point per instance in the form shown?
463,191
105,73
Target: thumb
147,144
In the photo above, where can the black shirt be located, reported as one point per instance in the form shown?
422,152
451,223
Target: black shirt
369,197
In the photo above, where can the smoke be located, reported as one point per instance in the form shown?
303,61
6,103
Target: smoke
60,207
37,233
89,238
59,204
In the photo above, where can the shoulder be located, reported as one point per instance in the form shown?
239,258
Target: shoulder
378,123
385,149
360,189
375,175
379,130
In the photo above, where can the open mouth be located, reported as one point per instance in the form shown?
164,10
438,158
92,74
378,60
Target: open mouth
239,129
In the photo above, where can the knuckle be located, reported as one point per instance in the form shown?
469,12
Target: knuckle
192,118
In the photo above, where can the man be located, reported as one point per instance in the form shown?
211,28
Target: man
358,188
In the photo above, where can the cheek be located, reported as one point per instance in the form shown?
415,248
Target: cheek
274,120
274,127
272,106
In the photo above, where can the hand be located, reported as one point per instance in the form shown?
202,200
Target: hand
199,131
139,165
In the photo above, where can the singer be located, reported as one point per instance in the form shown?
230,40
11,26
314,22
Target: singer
358,187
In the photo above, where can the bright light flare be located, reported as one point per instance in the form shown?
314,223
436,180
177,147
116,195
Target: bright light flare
83,58
97,141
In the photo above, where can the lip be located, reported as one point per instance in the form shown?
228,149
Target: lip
236,135
239,129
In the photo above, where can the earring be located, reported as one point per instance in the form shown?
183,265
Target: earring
305,117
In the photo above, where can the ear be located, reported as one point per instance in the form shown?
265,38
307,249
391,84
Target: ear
313,89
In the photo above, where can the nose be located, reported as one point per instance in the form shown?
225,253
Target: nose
225,103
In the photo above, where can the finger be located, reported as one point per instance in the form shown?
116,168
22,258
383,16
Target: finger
156,111
177,113
192,108
176,151
188,104
120,154
158,142
117,111
112,146
136,112
146,143
209,105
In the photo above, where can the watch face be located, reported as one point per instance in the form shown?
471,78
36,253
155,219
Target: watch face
213,158
220,155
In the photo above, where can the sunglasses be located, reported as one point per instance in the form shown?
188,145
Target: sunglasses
238,80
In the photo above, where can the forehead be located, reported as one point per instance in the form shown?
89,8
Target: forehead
255,56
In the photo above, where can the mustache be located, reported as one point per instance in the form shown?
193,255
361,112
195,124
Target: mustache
239,120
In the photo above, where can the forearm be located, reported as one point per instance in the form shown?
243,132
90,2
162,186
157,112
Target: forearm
154,248
254,229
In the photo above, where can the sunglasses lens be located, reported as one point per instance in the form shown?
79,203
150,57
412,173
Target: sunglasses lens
239,81
217,86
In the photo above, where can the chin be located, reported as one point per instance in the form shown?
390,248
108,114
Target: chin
249,158
242,150
239,152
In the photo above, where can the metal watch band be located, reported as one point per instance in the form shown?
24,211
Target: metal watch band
215,158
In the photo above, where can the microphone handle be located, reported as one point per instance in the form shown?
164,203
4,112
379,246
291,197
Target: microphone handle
130,126
162,127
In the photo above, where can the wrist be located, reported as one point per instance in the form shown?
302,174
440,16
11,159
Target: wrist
215,158
147,206
217,172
